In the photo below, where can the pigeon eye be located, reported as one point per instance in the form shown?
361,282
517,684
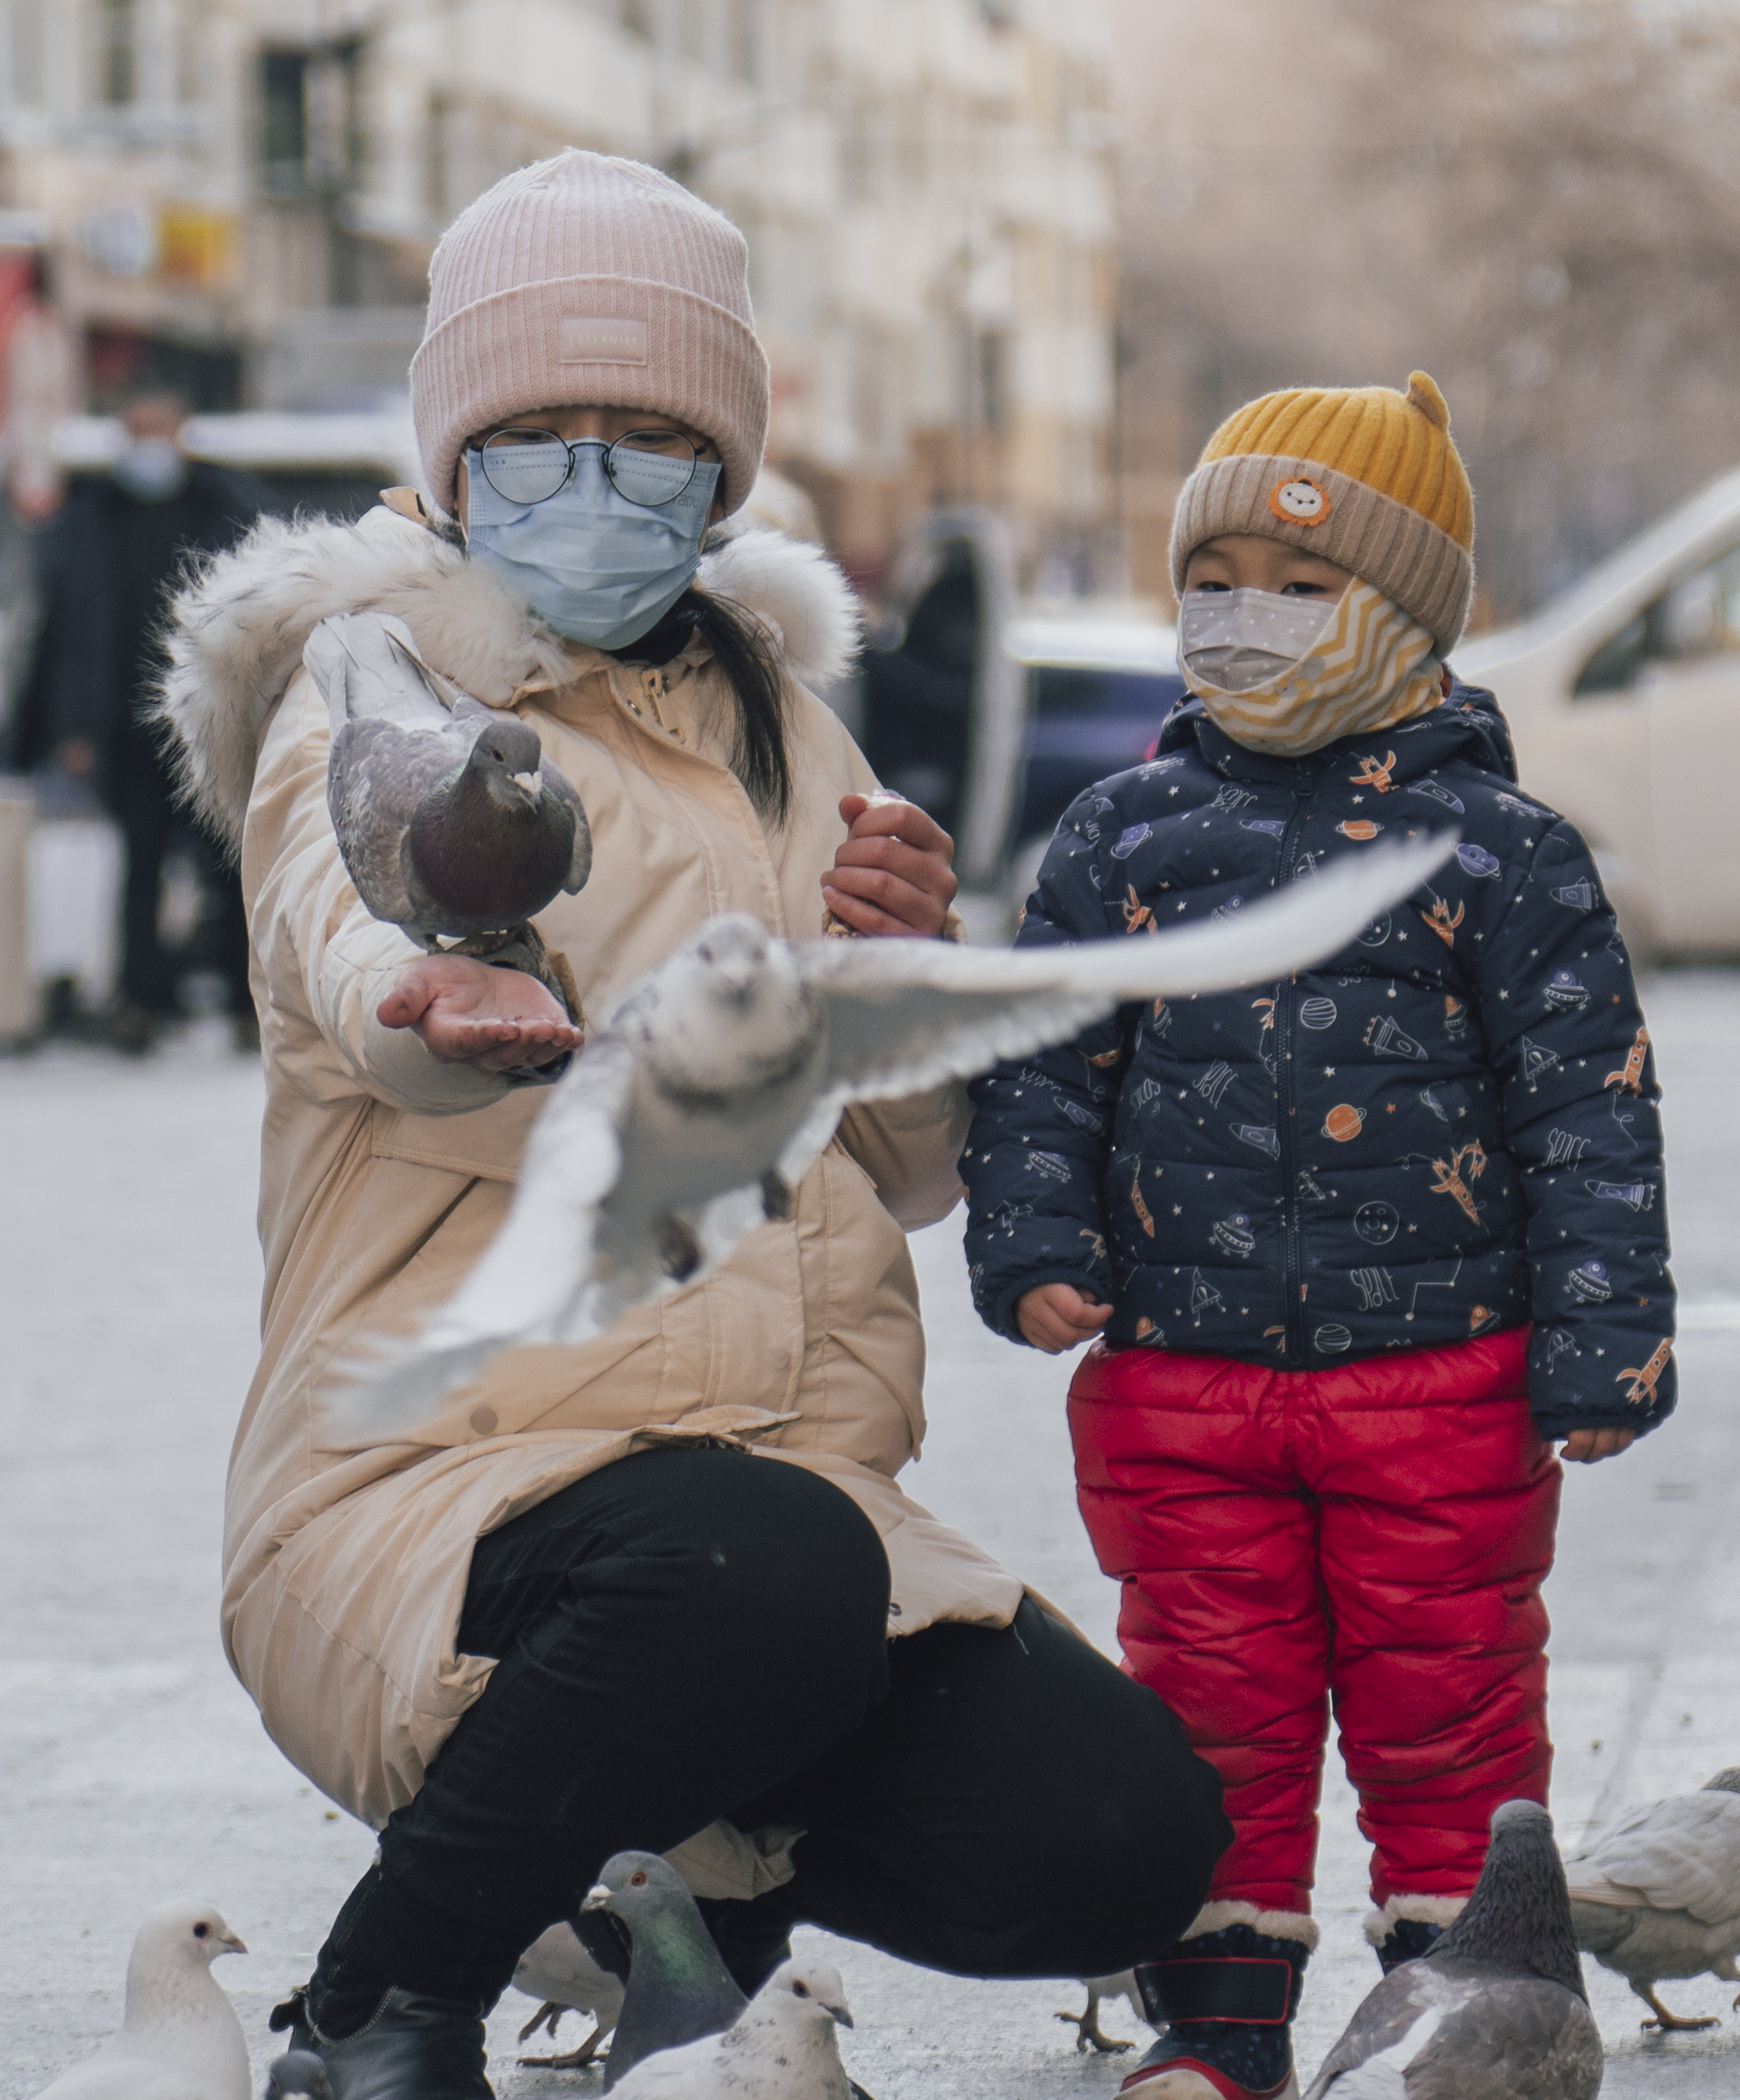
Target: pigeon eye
200,1931
636,1880
800,1990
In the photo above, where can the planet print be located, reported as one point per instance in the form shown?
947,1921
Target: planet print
1476,860
1331,1338
1377,933
1359,828
1377,1223
1318,1013
1344,1122
1589,1283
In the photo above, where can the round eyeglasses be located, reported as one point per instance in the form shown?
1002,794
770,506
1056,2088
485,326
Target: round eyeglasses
651,467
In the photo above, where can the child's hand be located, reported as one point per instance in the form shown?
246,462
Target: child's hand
1056,1316
1586,1446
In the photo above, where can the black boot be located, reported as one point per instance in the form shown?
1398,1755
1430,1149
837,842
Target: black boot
394,2046
1225,2004
1407,1939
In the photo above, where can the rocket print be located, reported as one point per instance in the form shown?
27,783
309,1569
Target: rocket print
1439,919
1143,1215
1466,1164
1629,1079
1138,918
1375,773
1641,1389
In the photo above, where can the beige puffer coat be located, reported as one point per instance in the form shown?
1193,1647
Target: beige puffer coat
385,1174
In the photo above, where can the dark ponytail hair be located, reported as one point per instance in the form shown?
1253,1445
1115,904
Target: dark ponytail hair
746,651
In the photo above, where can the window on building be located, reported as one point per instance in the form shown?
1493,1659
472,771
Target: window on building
284,121
30,53
118,53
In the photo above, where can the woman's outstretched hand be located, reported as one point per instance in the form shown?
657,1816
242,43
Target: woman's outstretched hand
470,1014
892,875
1056,1316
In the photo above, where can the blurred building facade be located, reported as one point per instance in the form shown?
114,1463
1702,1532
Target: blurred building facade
241,197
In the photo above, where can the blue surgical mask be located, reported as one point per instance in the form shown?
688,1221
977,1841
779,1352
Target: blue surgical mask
589,563
152,470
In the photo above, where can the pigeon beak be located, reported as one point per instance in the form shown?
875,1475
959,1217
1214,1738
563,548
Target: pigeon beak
232,1945
842,2015
531,782
597,1897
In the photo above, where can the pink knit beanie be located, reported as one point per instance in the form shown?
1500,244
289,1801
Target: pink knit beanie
588,278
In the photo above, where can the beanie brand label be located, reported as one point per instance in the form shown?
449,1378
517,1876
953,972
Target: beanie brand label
602,342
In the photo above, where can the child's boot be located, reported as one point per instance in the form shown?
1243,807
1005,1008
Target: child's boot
1224,2001
1408,1927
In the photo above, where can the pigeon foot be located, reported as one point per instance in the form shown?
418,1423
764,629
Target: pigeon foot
1665,2022
679,1251
1089,2035
576,2059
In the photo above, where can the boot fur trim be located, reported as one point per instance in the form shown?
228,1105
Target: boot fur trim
1422,1910
1292,1924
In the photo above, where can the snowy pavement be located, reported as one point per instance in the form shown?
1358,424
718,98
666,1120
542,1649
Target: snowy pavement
134,1769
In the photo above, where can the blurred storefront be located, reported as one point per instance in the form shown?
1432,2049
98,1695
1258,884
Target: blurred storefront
239,198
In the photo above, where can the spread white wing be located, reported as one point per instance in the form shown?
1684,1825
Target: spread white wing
903,1014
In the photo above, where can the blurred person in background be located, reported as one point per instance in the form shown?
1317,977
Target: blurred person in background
104,564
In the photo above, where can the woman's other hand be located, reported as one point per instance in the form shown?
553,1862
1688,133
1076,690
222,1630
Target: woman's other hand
1056,1316
470,1014
893,873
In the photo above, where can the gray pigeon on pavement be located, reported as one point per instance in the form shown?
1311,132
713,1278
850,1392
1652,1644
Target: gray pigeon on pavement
678,1988
783,2047
299,2074
1657,1894
721,1075
557,1969
180,2038
1497,2009
451,821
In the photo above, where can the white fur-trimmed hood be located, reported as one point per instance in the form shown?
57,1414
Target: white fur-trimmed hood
239,625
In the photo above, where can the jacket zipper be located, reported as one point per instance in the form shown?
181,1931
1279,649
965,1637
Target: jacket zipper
1286,1110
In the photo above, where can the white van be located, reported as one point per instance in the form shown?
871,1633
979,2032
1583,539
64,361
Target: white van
1624,696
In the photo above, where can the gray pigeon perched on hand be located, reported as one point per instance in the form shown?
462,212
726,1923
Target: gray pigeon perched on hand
299,2074
451,821
1657,1894
560,1972
1497,2009
180,2038
783,2047
721,1075
678,1988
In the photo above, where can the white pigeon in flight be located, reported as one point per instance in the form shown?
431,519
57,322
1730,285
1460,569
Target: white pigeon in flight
180,2038
690,1117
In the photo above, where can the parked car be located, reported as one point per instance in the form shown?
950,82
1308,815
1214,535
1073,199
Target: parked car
1624,695
993,717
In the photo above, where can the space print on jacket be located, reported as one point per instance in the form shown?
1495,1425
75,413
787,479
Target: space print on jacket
1449,1129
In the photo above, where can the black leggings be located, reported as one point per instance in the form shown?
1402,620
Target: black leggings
692,1635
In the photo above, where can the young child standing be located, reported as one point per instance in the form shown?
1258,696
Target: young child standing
1358,1245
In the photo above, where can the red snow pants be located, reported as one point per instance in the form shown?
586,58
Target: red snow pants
1371,1539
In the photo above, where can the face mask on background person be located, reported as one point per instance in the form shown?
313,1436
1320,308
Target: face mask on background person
592,564
151,470
1288,675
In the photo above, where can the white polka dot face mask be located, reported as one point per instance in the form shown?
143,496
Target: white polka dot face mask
1288,675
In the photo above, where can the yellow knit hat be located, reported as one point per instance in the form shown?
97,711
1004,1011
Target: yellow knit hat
1366,477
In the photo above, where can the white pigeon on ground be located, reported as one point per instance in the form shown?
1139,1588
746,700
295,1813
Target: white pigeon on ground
1657,1894
180,2038
557,1969
1497,2009
1089,2034
781,2046
721,1075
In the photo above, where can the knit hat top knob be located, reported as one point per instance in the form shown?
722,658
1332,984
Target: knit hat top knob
587,279
1365,476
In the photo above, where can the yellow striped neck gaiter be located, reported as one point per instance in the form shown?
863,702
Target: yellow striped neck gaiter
1369,667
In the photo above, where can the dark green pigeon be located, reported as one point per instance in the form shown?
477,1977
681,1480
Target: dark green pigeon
678,1988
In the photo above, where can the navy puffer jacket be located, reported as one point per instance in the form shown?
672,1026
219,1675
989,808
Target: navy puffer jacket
1448,1129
